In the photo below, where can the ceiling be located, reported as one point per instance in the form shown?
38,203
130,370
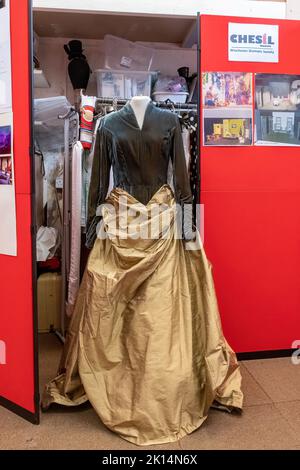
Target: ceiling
95,26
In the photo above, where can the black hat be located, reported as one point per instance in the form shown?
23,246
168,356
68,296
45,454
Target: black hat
74,49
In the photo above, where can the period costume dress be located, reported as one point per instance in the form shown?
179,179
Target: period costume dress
145,344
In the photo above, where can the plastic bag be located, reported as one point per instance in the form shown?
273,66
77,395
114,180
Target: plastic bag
45,242
170,84
48,129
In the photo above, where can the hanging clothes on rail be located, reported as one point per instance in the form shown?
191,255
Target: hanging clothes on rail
194,159
87,120
82,160
186,145
145,344
76,196
87,163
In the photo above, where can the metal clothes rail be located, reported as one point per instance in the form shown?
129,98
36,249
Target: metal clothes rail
161,104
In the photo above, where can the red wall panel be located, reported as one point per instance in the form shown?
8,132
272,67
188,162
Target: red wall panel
16,305
252,218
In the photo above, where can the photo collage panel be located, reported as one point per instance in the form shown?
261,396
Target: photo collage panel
229,109
227,100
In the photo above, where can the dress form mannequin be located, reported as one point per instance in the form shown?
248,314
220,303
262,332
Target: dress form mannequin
139,105
126,271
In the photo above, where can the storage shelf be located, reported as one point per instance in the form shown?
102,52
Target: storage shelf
40,81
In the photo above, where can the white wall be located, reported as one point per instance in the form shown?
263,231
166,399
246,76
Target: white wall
263,9
293,9
54,63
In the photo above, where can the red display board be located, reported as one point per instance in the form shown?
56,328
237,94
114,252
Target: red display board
251,198
18,376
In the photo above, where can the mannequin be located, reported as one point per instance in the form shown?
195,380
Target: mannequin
151,361
139,105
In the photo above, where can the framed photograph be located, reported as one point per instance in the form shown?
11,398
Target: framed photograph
227,90
277,109
227,101
5,140
5,170
229,131
5,155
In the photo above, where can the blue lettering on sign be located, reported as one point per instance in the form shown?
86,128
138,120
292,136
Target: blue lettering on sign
252,39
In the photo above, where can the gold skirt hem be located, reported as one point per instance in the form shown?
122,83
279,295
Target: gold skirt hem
145,343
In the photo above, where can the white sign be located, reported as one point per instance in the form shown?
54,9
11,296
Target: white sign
5,62
253,42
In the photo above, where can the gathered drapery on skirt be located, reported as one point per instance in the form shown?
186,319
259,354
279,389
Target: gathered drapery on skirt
145,344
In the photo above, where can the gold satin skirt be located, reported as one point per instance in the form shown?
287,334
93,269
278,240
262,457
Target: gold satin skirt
145,344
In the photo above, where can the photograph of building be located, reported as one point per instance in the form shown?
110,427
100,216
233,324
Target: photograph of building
277,109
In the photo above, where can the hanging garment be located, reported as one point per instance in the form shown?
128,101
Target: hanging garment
87,163
145,344
194,161
186,145
86,120
86,177
74,275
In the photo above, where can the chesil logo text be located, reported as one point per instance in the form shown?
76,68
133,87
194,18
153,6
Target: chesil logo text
252,39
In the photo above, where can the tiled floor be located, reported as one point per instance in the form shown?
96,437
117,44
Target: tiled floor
270,420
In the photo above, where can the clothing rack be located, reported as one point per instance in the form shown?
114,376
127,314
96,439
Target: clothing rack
160,104
118,103
71,119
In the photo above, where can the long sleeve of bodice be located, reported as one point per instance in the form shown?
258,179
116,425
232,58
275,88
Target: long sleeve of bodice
182,187
99,182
